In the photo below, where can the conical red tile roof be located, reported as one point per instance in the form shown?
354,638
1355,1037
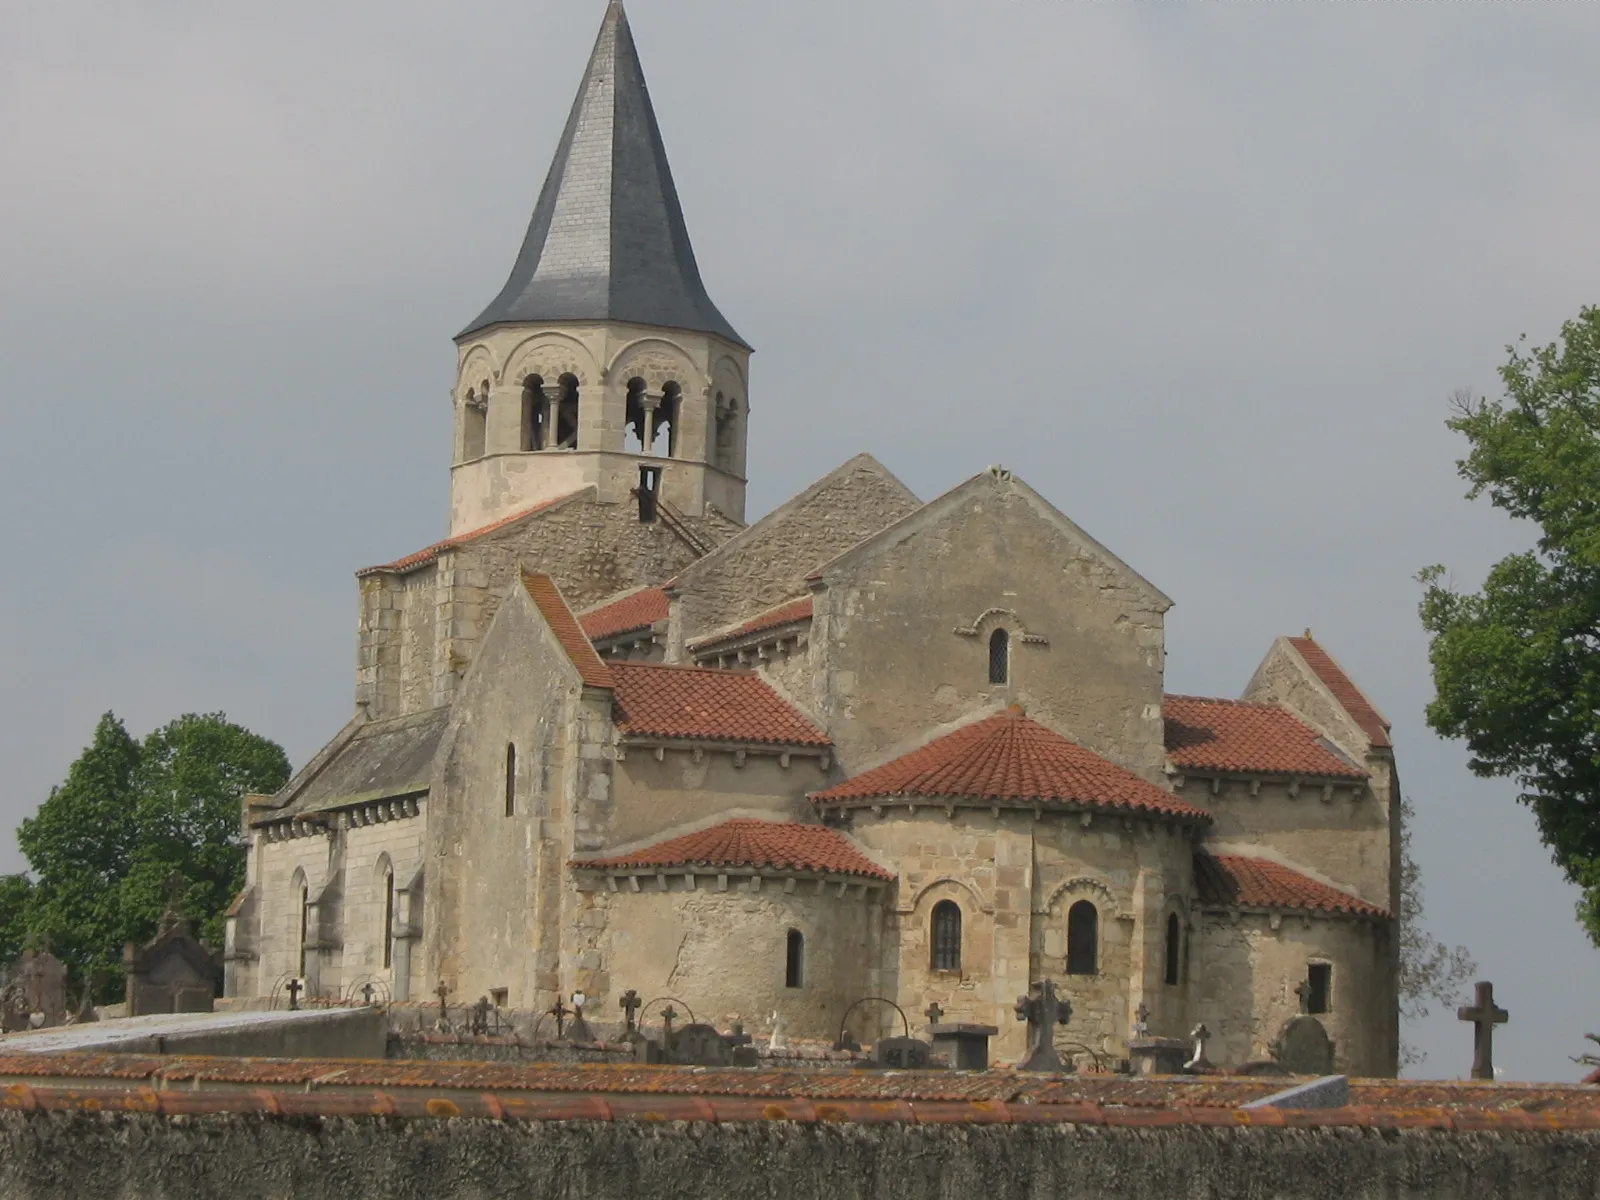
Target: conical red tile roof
758,845
1009,758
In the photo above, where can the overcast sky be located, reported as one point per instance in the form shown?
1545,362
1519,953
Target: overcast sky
1203,273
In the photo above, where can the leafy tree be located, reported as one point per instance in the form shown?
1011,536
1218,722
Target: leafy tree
129,817
1516,666
1430,971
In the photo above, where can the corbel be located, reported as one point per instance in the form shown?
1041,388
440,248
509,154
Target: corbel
697,756
1216,784
1294,789
1327,792
661,754
661,878
633,883
722,883
1255,787
738,758
788,886
783,760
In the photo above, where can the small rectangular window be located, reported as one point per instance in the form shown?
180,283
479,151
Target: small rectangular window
511,779
498,997
794,967
1320,999
649,492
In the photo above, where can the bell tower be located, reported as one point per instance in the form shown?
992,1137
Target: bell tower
602,362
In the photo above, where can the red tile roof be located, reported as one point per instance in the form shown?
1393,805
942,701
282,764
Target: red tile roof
787,613
544,593
1252,739
755,844
1009,757
1344,689
428,554
287,1090
636,610
1233,881
698,702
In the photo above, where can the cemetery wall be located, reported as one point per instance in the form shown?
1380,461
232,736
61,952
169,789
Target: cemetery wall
46,1155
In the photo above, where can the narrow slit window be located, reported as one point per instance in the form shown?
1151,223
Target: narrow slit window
511,779
795,960
1174,948
388,918
1083,939
947,936
305,921
1320,977
1000,656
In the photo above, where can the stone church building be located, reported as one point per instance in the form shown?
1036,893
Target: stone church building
609,736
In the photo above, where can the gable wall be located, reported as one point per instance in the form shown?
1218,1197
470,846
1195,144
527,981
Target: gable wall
890,667
770,563
651,796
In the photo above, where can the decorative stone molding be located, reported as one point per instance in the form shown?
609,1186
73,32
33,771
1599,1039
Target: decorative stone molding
948,881
477,366
550,356
658,363
992,616
1086,883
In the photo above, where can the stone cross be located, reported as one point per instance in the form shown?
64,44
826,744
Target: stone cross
1043,1010
295,987
1485,1016
1200,1036
442,991
934,1013
668,1016
1141,1020
367,992
630,1005
559,1011
480,1015
1303,990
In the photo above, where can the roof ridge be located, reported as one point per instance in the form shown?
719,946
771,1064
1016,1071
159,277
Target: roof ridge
546,596
1226,700
687,668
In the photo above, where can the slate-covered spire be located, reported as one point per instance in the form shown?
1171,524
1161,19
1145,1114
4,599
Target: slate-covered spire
607,241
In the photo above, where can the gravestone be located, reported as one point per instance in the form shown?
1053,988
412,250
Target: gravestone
1304,1047
700,1045
902,1054
173,972
40,980
1043,1010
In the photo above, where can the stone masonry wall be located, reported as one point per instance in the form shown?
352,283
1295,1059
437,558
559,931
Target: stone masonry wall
652,796
57,1156
723,952
1245,972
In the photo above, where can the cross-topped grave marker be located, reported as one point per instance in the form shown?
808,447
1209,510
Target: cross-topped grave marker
1303,991
933,1012
1043,1010
629,1004
1484,1016
1141,1020
442,991
295,987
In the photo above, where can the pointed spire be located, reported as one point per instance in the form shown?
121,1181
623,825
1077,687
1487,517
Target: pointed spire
607,241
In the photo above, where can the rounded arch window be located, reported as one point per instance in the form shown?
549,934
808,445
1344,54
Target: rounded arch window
946,936
1174,949
1000,656
1083,939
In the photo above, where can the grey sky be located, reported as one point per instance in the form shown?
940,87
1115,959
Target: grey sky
1204,274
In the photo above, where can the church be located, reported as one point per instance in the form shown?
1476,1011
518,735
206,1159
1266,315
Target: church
610,736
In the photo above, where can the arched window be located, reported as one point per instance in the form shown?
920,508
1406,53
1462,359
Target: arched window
1174,948
794,966
474,422
564,410
665,436
305,922
511,779
1000,656
1083,939
946,936
388,917
535,414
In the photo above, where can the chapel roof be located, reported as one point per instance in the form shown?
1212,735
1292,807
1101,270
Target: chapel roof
1353,700
790,612
580,650
697,703
607,240
1009,758
755,845
1235,881
428,554
1204,734
639,609
377,760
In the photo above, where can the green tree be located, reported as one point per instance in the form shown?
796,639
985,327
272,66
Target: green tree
1516,665
131,815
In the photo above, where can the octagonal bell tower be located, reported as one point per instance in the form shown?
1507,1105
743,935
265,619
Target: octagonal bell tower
602,361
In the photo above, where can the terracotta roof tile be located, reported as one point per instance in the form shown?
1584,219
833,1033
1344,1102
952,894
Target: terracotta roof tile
428,554
1260,739
754,844
787,613
636,610
544,593
1344,689
1009,757
1233,881
698,702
